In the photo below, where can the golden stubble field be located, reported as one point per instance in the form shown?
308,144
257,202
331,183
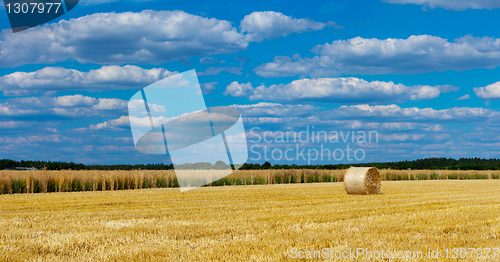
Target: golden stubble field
249,223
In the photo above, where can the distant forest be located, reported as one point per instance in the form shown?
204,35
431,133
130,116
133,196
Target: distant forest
427,163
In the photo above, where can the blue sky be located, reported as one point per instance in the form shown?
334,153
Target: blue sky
423,74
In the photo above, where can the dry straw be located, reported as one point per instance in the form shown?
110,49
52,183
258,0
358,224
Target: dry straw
362,180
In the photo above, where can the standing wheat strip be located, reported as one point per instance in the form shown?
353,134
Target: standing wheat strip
362,180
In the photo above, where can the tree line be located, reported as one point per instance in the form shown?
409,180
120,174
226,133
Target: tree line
427,163
49,165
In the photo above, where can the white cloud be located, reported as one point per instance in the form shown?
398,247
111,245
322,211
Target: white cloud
73,101
137,107
54,138
489,92
417,54
422,138
402,137
405,126
390,118
270,25
112,125
403,130
68,106
464,97
59,79
109,104
337,90
395,113
237,89
218,70
456,5
104,38
264,109
139,122
208,60
16,124
283,66
150,37
209,88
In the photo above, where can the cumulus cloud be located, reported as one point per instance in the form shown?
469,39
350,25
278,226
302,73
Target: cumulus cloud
417,54
386,119
59,79
236,89
35,103
392,118
399,129
337,90
113,124
109,104
489,92
455,5
413,114
145,37
270,25
68,106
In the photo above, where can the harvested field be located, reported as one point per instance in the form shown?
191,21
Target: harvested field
250,223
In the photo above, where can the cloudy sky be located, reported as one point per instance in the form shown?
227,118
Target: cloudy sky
422,74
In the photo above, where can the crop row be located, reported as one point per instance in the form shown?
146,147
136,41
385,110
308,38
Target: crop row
44,181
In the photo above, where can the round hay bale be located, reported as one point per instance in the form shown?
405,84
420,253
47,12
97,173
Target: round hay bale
362,180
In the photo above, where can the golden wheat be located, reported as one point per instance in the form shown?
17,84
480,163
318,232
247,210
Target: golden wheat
91,180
